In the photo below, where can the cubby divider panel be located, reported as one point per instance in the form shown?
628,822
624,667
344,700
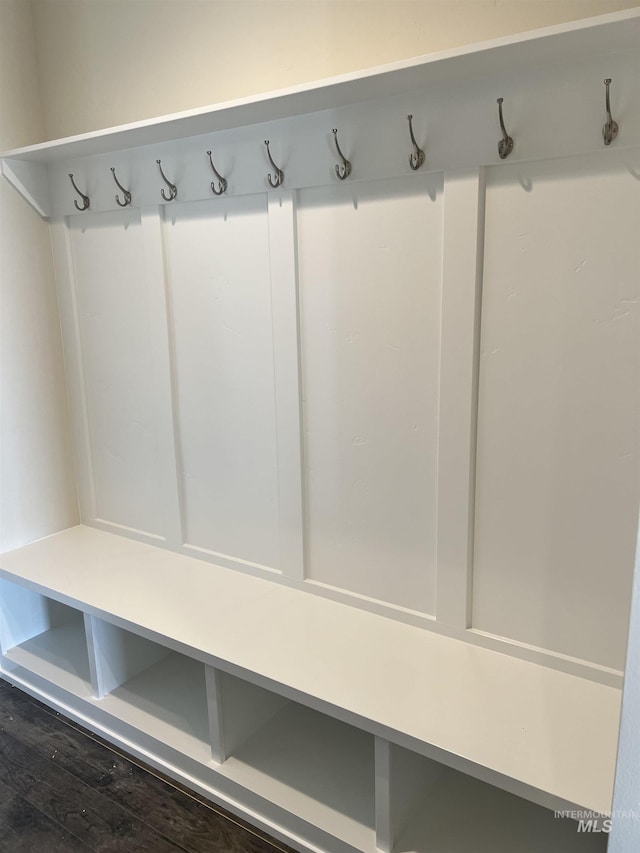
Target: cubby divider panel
238,709
44,637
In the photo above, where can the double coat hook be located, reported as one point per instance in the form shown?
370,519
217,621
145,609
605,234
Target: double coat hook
85,198
127,194
416,158
343,170
222,183
278,173
610,130
505,145
173,190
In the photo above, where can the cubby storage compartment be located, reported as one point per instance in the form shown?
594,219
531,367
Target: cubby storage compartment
43,637
311,765
432,808
152,689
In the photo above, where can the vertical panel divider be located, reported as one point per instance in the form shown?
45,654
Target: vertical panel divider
405,782
462,260
74,367
156,271
384,818
237,710
93,652
215,711
288,388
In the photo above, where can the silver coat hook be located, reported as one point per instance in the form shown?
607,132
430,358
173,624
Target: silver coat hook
610,130
85,198
279,174
505,146
343,170
127,194
173,190
222,183
416,158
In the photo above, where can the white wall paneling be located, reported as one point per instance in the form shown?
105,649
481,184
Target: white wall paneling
220,298
370,278
412,393
559,417
112,295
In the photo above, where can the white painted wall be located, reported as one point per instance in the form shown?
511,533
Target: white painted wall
37,492
106,62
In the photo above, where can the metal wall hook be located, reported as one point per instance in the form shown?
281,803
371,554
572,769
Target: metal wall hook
416,158
222,183
610,130
505,146
85,198
127,194
173,190
279,174
343,170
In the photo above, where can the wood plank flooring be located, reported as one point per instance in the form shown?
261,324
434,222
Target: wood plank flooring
64,790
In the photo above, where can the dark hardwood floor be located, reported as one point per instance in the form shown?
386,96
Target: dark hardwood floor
64,790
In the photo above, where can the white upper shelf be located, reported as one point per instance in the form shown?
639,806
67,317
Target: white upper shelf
612,33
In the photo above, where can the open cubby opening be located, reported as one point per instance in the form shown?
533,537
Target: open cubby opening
312,765
43,637
436,808
157,691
